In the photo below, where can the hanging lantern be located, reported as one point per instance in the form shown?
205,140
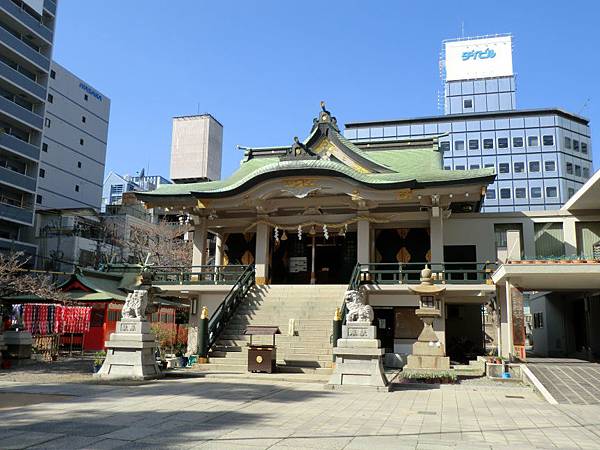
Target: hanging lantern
312,231
299,232
284,236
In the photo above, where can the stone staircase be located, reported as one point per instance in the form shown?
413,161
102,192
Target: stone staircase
309,350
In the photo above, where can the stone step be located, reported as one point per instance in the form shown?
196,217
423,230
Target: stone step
287,362
243,368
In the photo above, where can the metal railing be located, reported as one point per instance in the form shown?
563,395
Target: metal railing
227,308
410,273
162,275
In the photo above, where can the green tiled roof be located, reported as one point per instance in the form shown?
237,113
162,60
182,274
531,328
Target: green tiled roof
386,168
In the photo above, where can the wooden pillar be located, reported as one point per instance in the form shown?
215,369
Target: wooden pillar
199,251
262,253
218,250
436,233
363,241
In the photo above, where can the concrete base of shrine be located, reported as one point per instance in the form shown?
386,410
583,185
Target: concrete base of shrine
358,359
130,353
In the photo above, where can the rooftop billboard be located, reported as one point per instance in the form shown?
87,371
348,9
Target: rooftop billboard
478,58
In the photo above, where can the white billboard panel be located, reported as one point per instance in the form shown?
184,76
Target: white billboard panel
479,58
36,5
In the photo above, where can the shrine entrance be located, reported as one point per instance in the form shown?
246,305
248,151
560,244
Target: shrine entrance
313,259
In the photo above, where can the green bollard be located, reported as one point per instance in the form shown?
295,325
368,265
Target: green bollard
337,328
203,336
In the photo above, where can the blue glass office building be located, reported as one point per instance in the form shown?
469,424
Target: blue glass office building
542,156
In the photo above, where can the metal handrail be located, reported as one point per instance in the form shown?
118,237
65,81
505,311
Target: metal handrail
205,274
227,308
409,273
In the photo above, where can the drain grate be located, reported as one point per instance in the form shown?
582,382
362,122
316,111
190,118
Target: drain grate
514,396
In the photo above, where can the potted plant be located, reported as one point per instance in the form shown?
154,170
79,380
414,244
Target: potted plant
99,358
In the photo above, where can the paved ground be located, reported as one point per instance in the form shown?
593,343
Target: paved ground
232,414
569,381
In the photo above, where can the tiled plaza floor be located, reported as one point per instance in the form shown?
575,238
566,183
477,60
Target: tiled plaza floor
232,414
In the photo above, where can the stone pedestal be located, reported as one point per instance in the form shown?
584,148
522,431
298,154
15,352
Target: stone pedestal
130,352
358,358
18,344
428,355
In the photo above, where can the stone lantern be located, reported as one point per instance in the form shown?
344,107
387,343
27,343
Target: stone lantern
428,353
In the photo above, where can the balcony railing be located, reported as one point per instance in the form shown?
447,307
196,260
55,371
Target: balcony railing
18,146
410,273
16,179
31,22
24,49
196,274
30,118
11,212
22,81
50,5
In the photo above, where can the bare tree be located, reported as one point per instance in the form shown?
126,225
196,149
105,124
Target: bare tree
15,279
165,243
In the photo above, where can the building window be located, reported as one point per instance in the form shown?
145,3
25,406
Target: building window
42,173
517,142
571,192
85,97
538,320
520,192
491,194
575,145
502,142
533,141
474,166
47,122
567,142
570,168
468,103
460,167
586,172
488,144
519,167
536,192
76,188
38,199
504,168
445,146
81,141
447,168
550,166
505,193
489,165
534,166
44,147
548,139
577,170
83,119
459,145
551,191
50,98
52,74
584,148
79,164
473,144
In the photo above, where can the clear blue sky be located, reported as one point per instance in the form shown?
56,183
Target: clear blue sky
261,67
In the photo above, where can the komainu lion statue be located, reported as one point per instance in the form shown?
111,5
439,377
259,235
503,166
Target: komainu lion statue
358,310
135,305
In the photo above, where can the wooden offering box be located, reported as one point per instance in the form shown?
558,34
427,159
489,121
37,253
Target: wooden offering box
262,357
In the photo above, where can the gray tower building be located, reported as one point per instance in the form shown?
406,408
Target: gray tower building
197,145
541,156
73,153
26,38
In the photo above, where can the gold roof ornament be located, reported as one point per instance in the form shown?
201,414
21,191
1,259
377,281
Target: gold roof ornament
204,313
